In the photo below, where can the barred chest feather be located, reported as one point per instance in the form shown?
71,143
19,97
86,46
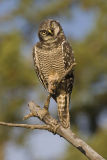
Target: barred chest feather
49,66
50,61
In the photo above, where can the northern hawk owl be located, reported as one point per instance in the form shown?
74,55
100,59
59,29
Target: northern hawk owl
52,57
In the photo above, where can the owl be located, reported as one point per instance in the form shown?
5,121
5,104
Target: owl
52,57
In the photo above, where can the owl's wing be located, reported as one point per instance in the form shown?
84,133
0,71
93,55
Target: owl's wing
69,59
68,55
37,67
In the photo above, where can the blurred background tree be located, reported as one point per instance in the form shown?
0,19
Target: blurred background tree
19,22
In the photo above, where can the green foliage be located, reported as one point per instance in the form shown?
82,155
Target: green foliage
16,78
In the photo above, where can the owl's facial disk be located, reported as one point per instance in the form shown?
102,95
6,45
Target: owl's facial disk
49,31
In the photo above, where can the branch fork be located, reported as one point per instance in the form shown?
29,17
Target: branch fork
43,114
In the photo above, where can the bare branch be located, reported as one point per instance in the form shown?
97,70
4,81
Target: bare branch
66,133
54,126
79,144
29,126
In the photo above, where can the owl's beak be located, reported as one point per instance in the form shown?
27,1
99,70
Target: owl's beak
50,31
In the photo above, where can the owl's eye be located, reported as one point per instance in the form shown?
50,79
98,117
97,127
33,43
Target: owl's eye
43,32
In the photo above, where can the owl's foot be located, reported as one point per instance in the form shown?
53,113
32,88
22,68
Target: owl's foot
65,124
54,128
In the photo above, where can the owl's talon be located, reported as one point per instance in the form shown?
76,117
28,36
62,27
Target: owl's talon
65,125
54,128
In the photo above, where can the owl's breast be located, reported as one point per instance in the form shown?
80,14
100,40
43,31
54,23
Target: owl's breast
51,61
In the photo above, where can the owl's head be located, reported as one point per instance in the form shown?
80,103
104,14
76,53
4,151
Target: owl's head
49,30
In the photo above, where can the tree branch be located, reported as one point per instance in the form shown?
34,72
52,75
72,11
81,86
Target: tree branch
29,126
54,126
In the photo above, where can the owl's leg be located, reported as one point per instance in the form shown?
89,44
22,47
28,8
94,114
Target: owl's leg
46,105
53,123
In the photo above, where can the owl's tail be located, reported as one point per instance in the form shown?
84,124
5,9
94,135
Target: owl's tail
63,109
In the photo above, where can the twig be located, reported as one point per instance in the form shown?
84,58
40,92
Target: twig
54,126
29,126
